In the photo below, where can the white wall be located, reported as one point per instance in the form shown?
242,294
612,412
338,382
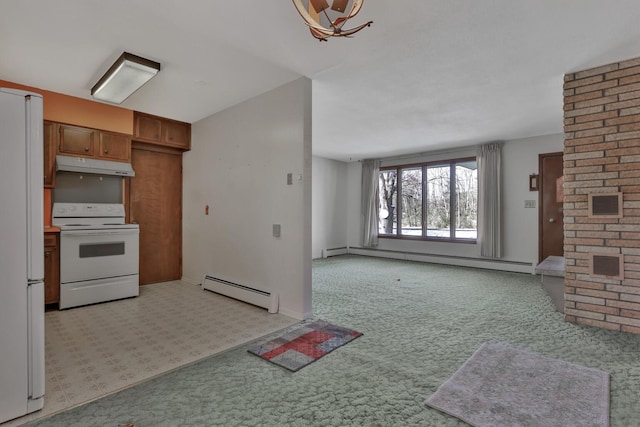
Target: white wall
329,218
238,165
520,225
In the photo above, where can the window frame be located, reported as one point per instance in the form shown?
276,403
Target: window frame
452,201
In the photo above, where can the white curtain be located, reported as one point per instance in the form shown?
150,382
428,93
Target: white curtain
370,172
489,206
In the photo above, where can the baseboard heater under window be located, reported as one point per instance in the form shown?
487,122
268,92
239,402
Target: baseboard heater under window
259,297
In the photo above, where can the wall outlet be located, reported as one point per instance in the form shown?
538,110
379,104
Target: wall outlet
289,179
276,230
529,203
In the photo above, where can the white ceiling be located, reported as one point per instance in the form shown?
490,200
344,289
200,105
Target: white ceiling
427,75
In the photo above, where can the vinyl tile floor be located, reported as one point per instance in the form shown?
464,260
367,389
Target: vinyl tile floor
97,350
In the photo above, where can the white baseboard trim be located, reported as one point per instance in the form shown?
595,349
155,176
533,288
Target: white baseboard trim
490,264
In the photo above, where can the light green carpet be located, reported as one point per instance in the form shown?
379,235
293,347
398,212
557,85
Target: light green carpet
420,323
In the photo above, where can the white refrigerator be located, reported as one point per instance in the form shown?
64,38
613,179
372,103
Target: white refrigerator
21,254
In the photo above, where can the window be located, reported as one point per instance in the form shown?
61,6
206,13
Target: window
433,201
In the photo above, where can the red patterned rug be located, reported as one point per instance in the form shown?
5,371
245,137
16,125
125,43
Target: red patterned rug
304,344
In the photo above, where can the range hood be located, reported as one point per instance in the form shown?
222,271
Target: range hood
95,166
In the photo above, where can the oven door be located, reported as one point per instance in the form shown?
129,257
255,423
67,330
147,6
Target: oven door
98,254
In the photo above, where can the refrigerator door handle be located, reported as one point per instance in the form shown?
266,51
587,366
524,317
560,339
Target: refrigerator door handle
35,309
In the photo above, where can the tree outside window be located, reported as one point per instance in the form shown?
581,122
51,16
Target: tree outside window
388,202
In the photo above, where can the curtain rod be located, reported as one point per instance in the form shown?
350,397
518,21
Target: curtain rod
434,152
424,153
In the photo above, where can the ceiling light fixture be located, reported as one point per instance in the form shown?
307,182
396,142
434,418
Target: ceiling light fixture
124,77
312,18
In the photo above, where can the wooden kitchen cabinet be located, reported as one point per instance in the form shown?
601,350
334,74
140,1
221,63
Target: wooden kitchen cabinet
51,268
93,143
161,131
148,128
76,141
114,146
176,134
49,174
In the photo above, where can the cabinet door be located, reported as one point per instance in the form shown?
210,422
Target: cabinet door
51,269
75,141
176,134
49,154
147,128
115,146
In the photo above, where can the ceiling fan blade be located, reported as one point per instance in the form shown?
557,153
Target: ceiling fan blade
339,5
319,5
355,8
317,34
339,22
347,33
308,19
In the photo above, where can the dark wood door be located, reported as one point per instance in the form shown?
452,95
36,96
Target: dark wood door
551,216
155,202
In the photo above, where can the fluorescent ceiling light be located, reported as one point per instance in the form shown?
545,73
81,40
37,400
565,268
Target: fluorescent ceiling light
124,77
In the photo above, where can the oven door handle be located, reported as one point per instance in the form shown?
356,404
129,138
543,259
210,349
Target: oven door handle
79,233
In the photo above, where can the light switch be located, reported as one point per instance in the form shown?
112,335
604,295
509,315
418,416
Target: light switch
276,230
529,203
289,179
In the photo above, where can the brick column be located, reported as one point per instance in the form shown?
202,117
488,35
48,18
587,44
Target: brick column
602,154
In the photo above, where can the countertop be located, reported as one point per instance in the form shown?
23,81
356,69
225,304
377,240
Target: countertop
551,266
51,229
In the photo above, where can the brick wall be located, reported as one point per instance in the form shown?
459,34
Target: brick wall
602,154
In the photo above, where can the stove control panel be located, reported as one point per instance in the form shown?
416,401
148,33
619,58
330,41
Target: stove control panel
88,210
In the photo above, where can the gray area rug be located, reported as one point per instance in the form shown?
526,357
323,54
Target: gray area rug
501,385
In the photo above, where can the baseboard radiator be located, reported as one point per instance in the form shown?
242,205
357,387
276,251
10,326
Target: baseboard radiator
326,253
259,297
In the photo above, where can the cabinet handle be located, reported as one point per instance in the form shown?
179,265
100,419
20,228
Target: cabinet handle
86,149
106,151
46,254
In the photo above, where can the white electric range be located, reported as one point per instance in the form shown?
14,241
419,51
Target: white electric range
99,253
